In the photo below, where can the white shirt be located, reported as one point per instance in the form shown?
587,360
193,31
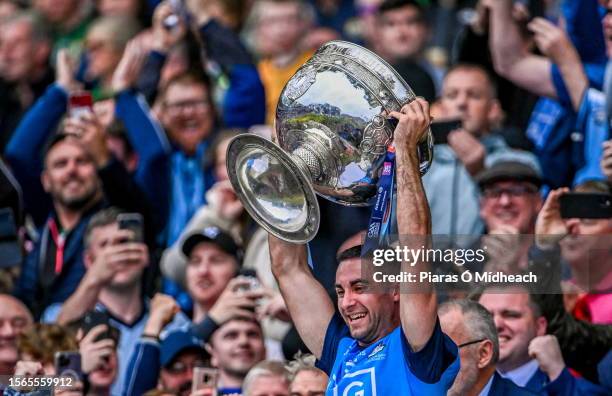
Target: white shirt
522,374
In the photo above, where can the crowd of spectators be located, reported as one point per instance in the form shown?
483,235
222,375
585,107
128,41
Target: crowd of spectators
123,243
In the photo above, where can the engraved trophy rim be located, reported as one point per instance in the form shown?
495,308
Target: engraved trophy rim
243,142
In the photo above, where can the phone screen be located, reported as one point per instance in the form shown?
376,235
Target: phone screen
441,129
68,364
586,206
132,222
205,378
80,102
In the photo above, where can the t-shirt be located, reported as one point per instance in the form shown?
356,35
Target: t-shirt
387,366
275,78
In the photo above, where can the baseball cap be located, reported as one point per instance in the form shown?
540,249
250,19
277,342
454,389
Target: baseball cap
214,235
177,342
510,165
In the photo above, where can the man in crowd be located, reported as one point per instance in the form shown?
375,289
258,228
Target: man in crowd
25,46
509,205
402,34
468,93
180,353
306,379
113,284
70,178
518,321
267,378
15,318
235,348
377,332
584,244
75,177
69,19
472,328
279,25
562,76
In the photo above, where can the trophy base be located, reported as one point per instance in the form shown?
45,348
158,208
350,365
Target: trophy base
273,188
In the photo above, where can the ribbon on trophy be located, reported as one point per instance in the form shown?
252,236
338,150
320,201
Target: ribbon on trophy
381,219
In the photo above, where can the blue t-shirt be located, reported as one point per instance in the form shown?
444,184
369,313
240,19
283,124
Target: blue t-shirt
388,366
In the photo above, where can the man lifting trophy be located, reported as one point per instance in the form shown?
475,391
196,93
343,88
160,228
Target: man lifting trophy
333,128
350,129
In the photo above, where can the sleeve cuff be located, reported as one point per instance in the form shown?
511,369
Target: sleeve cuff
561,383
205,329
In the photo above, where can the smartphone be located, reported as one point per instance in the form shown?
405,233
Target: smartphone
96,318
205,378
80,102
586,205
133,222
251,274
68,364
441,129
10,248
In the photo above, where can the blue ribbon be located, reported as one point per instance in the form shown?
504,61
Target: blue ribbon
380,224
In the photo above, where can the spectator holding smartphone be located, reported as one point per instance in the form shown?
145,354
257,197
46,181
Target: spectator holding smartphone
99,360
113,284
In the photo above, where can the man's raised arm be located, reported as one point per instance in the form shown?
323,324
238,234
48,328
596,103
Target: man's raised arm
511,57
310,307
418,305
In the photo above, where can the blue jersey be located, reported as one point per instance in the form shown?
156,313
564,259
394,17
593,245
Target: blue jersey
388,366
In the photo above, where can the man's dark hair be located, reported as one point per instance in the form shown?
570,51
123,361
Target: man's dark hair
103,218
389,5
189,78
55,139
350,253
499,288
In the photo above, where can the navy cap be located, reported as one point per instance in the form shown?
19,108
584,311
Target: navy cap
213,235
177,342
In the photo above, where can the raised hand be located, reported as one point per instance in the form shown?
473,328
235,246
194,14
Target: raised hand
234,302
164,38
551,40
64,71
468,149
414,119
91,132
546,350
129,67
163,309
550,227
94,354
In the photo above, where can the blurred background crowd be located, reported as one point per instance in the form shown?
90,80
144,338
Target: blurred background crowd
124,248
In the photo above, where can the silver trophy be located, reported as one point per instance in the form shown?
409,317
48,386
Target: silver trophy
331,137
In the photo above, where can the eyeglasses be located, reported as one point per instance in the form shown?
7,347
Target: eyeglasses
471,342
514,192
185,104
181,368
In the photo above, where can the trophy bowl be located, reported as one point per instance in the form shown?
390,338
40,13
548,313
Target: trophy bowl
331,136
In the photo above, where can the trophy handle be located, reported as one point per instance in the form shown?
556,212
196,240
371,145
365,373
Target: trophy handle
275,190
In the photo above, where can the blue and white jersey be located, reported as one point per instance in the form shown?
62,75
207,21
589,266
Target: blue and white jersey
388,366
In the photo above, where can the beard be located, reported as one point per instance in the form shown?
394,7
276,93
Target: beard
77,202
